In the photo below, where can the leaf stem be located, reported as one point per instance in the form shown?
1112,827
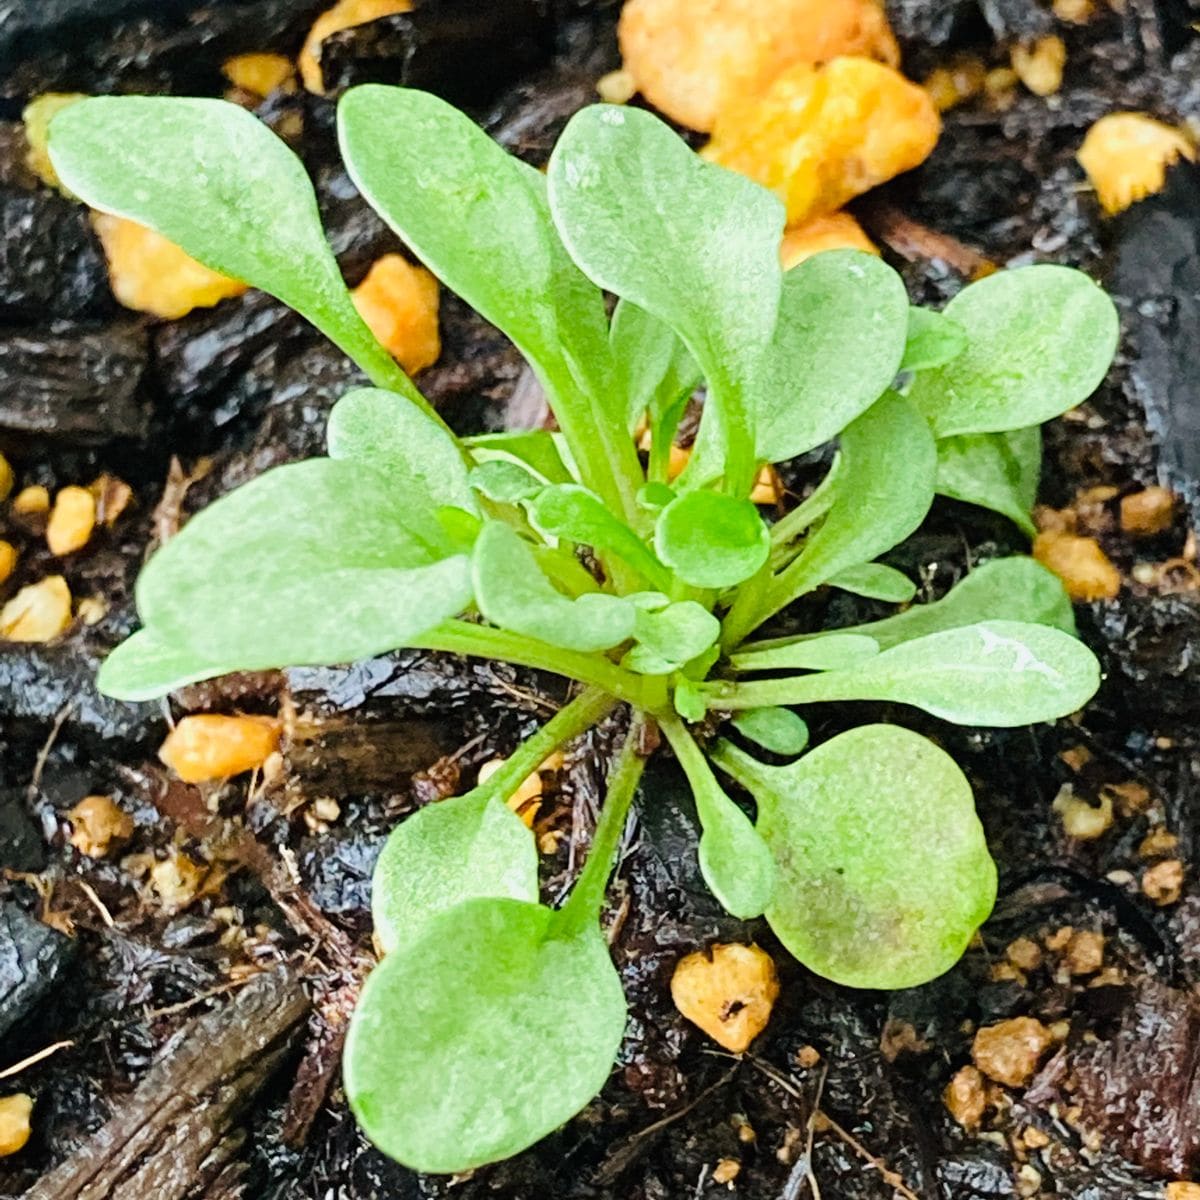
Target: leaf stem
794,689
586,710
587,897
482,641
706,788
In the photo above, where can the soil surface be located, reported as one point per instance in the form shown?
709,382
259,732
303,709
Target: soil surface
841,1097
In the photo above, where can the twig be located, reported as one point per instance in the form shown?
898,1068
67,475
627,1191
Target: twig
890,1177
34,1059
626,1153
701,1182
97,903
60,719
913,241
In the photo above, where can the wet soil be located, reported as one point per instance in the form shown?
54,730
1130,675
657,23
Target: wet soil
841,1097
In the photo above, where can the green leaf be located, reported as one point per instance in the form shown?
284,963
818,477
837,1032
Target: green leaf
536,449
213,179
512,592
691,243
464,848
735,861
933,340
836,349
1000,673
710,540
505,481
572,512
485,1035
830,652
882,491
999,471
689,701
324,561
670,636
883,869
386,431
479,219
1039,341
776,729
876,581
654,370
146,666
1005,589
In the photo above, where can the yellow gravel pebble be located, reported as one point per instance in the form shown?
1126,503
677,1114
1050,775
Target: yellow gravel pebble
7,478
1009,1051
1126,156
399,303
210,746
71,520
1086,571
259,74
819,136
827,231
343,15
692,58
39,612
99,825
15,1129
728,991
150,274
8,559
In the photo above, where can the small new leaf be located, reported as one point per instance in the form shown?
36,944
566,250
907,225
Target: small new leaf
776,729
512,592
711,540
999,471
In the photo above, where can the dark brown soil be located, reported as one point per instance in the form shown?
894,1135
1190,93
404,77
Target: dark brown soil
86,387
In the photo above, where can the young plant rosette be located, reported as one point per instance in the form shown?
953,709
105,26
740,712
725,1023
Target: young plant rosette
493,1018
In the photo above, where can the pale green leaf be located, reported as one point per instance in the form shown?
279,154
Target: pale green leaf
489,1032
882,491
536,449
386,431
876,581
933,340
883,869
318,562
670,636
711,540
776,729
464,848
999,471
212,178
830,652
578,515
1039,341
512,592
836,349
1005,589
654,370
999,673
691,243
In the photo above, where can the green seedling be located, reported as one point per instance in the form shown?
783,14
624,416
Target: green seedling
492,1018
